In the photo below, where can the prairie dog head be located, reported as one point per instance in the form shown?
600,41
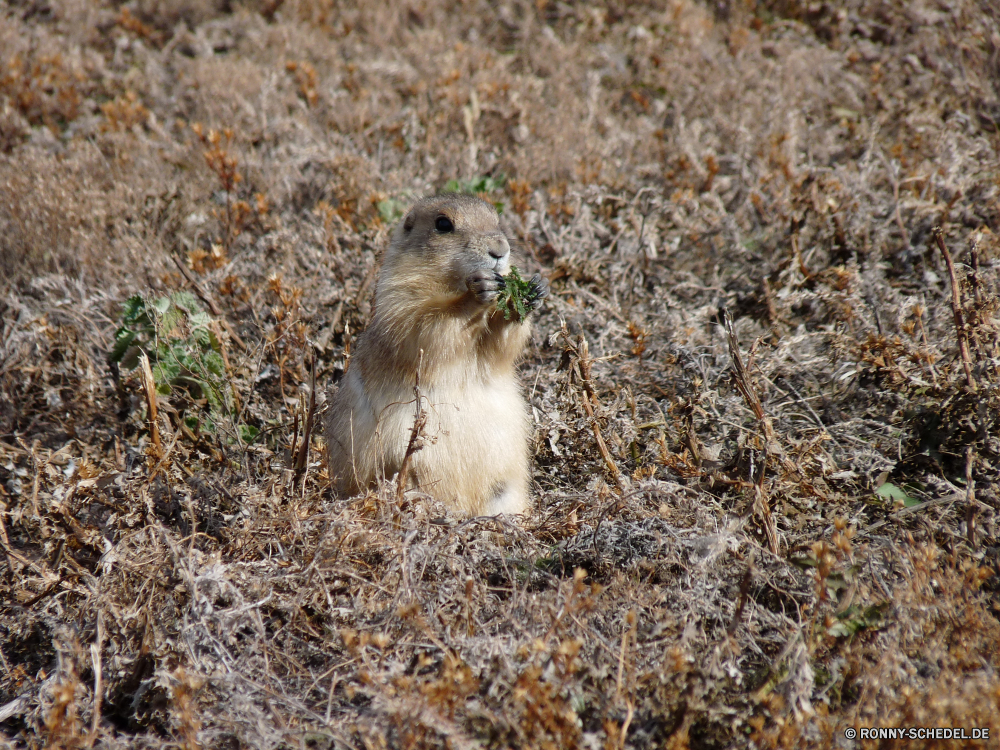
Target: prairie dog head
446,238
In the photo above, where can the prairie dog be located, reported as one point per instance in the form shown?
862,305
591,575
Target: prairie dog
437,292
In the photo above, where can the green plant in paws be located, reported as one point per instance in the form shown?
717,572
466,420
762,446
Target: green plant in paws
519,297
183,349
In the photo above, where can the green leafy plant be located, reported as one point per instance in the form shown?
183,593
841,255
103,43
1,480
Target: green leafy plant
516,296
855,619
183,349
892,493
482,186
391,210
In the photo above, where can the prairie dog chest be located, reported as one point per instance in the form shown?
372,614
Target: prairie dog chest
465,413
473,406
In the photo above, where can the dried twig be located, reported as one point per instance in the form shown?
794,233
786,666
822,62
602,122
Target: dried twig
629,713
37,467
741,603
419,420
584,362
149,388
897,214
744,385
628,630
797,254
956,308
302,456
970,497
95,658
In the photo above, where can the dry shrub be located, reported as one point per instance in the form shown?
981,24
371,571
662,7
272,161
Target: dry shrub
43,89
153,18
82,213
931,664
125,112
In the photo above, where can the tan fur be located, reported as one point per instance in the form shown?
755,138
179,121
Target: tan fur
437,292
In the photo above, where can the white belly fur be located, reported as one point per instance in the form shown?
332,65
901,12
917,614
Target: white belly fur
474,451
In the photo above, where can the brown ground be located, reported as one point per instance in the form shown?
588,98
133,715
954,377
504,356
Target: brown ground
695,573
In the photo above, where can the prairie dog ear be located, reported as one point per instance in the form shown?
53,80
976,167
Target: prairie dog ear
409,221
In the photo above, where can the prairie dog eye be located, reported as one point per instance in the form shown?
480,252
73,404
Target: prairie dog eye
443,224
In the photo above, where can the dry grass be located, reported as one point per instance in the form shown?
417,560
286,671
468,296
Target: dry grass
753,538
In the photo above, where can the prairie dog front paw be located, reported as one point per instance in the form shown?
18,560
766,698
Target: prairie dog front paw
539,291
485,284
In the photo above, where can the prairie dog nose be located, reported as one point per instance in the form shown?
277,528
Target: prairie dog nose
500,249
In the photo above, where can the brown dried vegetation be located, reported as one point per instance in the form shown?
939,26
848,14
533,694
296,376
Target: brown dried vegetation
752,535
